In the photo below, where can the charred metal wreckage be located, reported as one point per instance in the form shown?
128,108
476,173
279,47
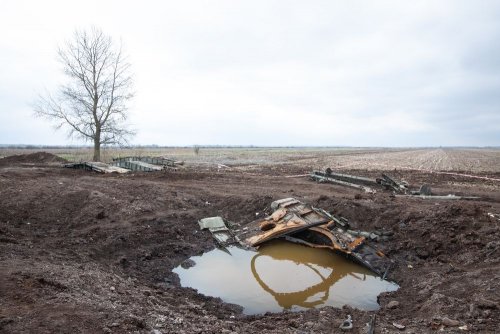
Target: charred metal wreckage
301,223
385,182
359,182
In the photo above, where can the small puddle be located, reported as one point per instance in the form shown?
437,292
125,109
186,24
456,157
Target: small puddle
283,276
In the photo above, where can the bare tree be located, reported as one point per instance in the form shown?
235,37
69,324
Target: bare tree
93,103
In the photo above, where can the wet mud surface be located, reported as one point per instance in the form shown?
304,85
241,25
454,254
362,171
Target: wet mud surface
88,253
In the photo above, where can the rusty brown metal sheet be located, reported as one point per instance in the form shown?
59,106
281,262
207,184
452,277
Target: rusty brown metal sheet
289,217
301,223
322,237
357,249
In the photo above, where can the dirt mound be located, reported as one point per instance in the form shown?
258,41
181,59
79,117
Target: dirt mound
37,157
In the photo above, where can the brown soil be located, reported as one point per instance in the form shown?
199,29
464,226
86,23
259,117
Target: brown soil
37,157
90,253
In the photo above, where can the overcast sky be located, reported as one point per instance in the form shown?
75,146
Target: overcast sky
357,73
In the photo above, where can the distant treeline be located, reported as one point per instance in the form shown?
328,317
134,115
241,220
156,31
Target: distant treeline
32,147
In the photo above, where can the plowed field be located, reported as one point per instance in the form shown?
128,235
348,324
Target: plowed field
87,253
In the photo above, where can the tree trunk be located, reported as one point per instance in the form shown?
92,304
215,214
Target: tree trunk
97,147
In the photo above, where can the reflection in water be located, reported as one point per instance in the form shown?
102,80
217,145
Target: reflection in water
282,275
310,260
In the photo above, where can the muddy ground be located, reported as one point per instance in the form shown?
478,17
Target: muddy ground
87,253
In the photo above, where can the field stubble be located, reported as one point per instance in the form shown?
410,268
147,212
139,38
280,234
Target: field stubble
88,253
477,160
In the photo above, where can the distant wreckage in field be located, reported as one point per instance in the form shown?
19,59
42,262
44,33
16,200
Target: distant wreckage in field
126,164
385,182
301,223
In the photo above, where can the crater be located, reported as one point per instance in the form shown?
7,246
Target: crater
283,276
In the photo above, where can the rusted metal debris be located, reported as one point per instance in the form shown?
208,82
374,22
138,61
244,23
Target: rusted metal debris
290,216
398,188
359,182
301,223
389,183
341,180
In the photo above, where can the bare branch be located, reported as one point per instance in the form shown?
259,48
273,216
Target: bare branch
92,104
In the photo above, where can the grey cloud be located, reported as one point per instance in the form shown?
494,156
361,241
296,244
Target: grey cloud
376,73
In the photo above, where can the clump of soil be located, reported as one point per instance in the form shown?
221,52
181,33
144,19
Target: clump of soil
33,158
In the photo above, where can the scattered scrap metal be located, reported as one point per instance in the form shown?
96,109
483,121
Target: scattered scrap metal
359,182
127,164
146,164
344,180
301,223
219,230
99,167
368,185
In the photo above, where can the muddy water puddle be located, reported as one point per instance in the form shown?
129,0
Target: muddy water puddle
283,276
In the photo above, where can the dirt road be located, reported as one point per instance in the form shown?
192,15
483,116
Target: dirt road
88,253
